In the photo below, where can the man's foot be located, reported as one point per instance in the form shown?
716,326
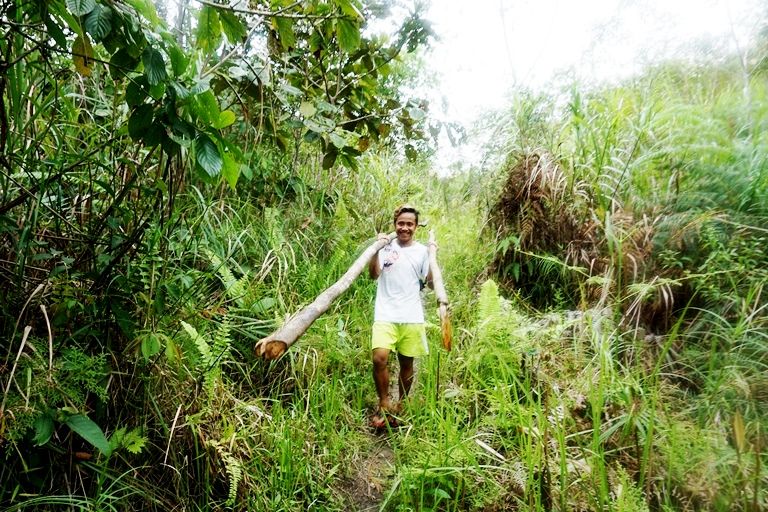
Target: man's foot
382,419
378,421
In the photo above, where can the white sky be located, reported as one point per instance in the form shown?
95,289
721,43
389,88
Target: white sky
487,47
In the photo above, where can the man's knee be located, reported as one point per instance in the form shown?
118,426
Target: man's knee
380,357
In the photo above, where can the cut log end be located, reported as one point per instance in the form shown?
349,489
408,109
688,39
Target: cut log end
271,349
445,326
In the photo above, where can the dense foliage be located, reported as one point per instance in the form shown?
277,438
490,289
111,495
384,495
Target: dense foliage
174,184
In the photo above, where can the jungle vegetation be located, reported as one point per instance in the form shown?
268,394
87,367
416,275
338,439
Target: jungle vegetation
175,183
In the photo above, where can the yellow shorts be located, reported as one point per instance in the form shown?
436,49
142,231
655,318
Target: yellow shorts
407,339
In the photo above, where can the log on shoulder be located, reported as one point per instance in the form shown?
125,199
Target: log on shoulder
277,343
440,294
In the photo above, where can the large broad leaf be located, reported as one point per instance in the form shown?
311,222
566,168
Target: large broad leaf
154,65
307,109
208,29
330,157
146,8
98,23
80,7
150,345
43,428
350,9
206,108
82,53
230,170
232,26
348,34
122,63
54,30
140,121
225,119
137,91
89,431
284,27
207,155
179,60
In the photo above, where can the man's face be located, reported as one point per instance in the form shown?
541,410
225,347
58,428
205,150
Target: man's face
405,227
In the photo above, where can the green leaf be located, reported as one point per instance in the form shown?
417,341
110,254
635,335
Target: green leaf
146,8
98,23
140,121
284,27
263,306
122,63
338,140
179,60
330,158
43,428
80,7
172,352
54,30
208,156
154,66
206,108
348,34
200,342
150,345
307,109
410,153
137,91
89,431
225,119
349,9
232,26
230,170
208,29
82,53
134,441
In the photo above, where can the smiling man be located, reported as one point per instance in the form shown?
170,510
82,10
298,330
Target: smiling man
402,270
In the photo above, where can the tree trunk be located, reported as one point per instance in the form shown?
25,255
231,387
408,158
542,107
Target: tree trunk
275,345
440,295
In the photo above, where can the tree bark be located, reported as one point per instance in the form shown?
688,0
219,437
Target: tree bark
442,297
275,345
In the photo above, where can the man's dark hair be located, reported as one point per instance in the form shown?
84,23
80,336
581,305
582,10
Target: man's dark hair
406,208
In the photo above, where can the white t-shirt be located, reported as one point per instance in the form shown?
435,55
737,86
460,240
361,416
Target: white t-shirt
398,297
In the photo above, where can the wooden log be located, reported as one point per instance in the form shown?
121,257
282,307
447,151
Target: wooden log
442,297
275,345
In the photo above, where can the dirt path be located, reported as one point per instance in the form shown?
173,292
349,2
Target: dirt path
372,475
373,469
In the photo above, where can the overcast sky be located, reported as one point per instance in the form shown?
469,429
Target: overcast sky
488,46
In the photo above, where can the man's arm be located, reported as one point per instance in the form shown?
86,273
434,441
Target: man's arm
374,269
373,266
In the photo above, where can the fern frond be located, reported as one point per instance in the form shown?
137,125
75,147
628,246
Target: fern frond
236,288
222,342
199,341
132,440
235,471
489,302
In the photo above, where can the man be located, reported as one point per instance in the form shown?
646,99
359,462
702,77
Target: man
402,270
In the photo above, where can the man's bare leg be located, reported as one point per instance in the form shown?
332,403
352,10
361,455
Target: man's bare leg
380,358
406,375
